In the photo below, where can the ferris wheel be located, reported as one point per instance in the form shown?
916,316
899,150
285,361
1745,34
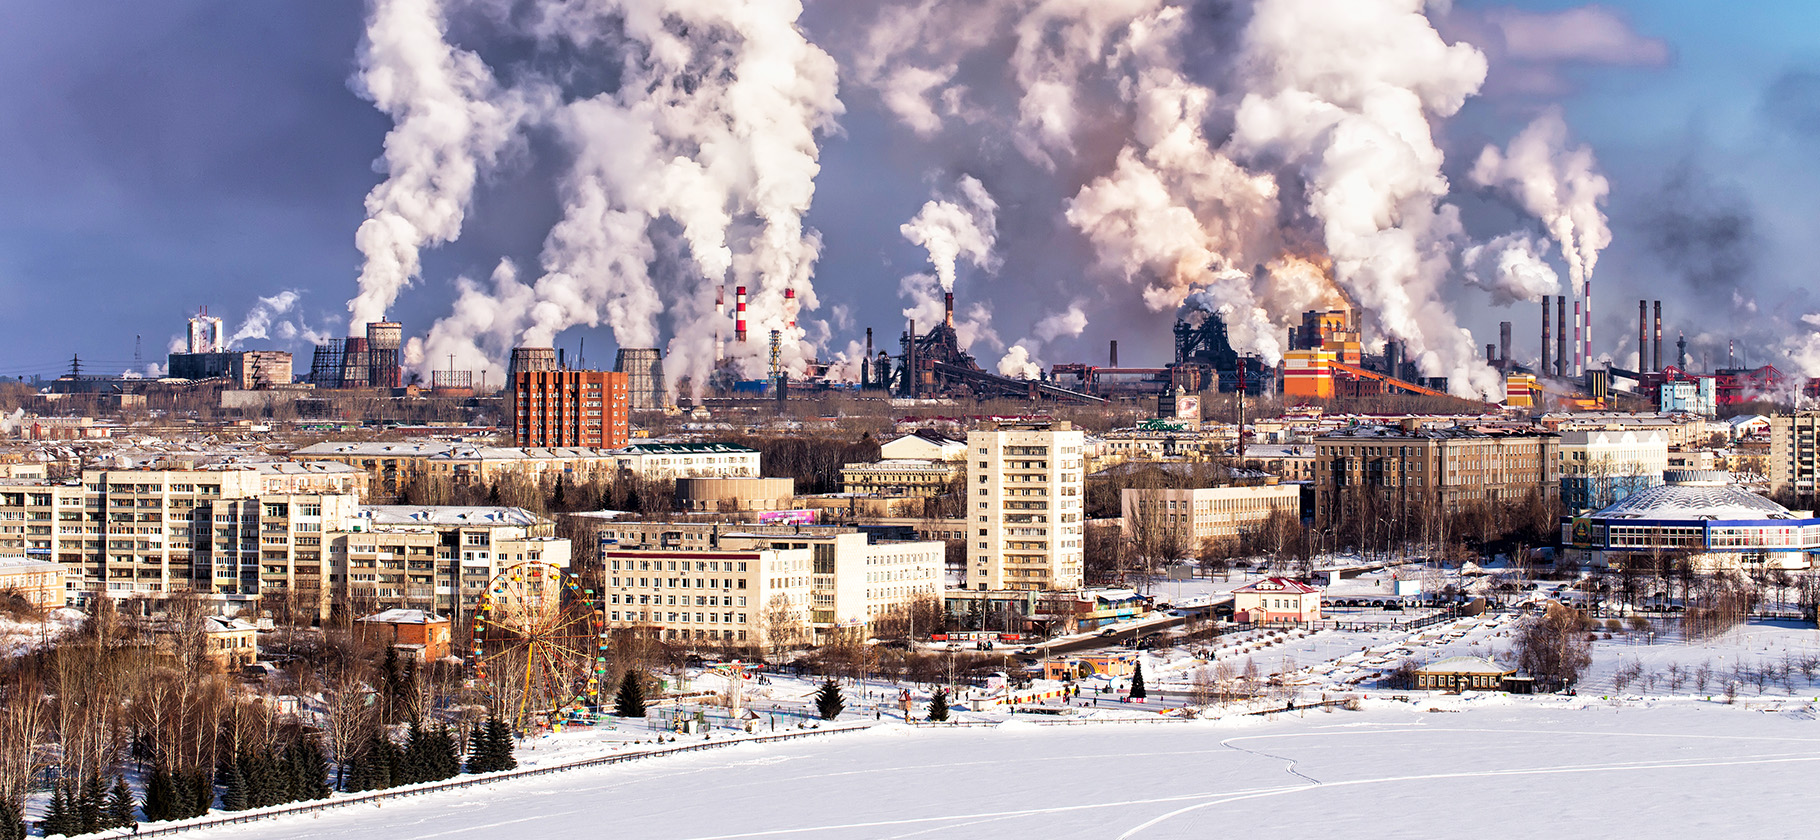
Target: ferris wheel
538,643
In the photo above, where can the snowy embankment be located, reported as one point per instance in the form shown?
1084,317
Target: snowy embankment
1510,766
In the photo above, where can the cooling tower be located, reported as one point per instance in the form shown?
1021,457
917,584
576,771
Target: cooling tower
644,370
356,363
529,359
383,341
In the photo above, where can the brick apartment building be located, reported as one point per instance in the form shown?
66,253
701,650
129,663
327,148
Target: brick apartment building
571,408
1404,471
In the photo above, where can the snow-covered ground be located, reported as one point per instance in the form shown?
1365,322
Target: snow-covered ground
1497,766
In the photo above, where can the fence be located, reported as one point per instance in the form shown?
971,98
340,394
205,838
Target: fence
453,784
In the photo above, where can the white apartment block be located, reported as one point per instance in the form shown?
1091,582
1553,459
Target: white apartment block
1203,514
853,580
1601,467
272,546
1025,506
659,461
1794,440
754,597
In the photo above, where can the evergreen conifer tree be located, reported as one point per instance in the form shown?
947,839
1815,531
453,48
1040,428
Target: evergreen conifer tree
234,793
828,701
630,702
120,805
448,754
92,805
12,821
57,816
938,705
313,769
1137,683
160,795
501,751
477,749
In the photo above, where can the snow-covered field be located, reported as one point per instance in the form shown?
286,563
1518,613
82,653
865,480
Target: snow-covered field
1488,765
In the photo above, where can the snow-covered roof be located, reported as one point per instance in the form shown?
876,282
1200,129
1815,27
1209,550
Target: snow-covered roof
1683,501
402,616
1466,665
1278,585
447,515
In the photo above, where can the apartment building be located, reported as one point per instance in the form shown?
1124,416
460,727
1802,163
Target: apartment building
753,597
659,461
389,467
1405,470
439,558
571,408
1793,440
1197,516
899,477
854,579
1025,506
1602,467
271,548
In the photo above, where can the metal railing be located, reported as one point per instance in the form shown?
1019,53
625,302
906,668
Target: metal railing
463,782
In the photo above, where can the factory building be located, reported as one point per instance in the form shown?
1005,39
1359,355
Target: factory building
587,408
1025,511
244,370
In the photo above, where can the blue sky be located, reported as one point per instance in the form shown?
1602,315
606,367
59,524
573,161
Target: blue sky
160,157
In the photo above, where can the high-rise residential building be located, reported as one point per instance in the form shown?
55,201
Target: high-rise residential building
1793,441
587,408
1024,506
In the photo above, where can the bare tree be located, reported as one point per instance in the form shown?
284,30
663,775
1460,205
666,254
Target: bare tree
1553,646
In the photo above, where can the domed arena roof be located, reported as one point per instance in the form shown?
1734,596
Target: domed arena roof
1690,501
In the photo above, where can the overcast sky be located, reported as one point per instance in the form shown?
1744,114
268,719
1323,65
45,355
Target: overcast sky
159,157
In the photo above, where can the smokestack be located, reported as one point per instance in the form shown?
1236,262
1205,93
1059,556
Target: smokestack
562,359
1579,340
1546,371
910,376
1658,350
865,363
790,308
948,309
1491,354
1731,353
1561,340
1643,336
720,315
1393,359
1115,353
739,314
1586,343
1504,344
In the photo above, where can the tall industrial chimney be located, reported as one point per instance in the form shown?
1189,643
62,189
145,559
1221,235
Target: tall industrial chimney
1491,354
1546,370
1561,340
739,314
948,309
790,308
1586,345
1115,353
1579,340
910,376
865,363
1504,345
1658,349
720,316
1643,336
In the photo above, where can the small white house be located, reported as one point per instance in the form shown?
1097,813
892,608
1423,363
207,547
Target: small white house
1276,600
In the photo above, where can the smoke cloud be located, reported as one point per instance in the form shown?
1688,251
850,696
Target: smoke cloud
258,322
1559,185
1512,269
951,229
451,120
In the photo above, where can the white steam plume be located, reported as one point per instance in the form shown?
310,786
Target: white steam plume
713,129
258,322
1559,185
954,228
1511,268
451,121
1020,360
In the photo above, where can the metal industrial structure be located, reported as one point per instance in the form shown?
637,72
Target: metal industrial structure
369,361
933,364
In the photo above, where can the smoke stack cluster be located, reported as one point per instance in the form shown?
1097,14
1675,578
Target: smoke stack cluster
739,314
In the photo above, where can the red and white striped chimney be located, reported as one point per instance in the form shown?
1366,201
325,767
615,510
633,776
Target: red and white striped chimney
948,309
1579,344
1586,348
790,308
739,313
